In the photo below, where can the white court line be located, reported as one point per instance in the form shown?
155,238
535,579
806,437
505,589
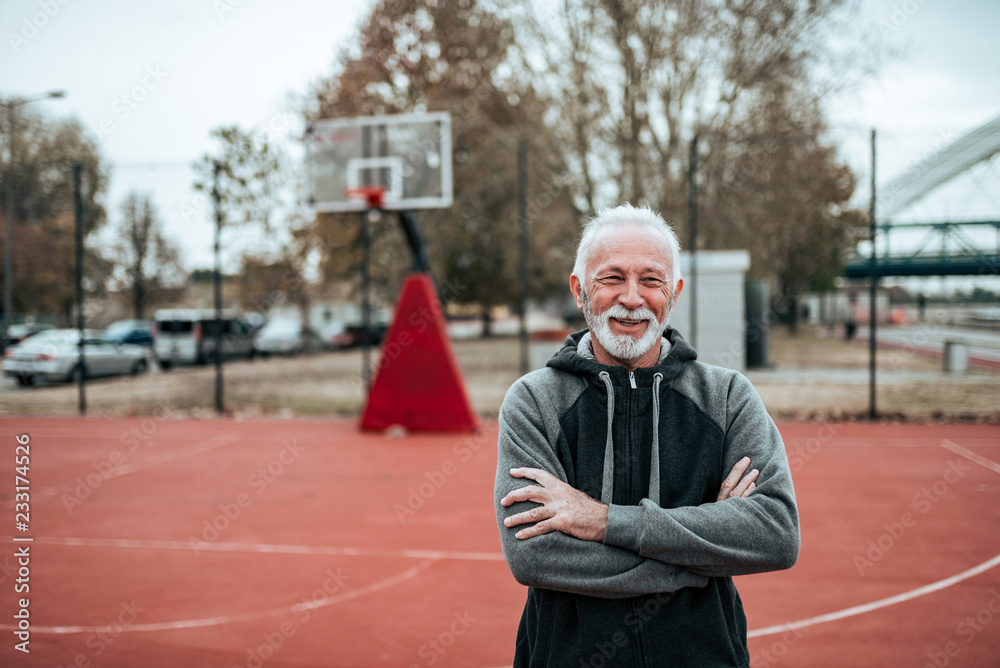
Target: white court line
883,603
155,460
230,619
899,598
322,550
969,454
433,555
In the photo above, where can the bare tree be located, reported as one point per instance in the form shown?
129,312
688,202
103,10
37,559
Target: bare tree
149,261
253,176
257,191
635,81
42,235
782,193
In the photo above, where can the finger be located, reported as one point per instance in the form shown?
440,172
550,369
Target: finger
744,488
541,476
731,481
525,472
526,493
536,514
537,530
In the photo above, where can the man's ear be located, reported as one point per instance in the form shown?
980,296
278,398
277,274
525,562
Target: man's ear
577,289
677,291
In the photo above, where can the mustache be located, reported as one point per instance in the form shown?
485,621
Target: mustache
621,313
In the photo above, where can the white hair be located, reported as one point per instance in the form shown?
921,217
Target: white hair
626,214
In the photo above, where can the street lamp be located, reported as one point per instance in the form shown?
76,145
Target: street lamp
11,107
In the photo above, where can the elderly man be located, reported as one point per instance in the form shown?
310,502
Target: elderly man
612,495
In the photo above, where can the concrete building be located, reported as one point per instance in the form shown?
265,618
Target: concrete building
718,288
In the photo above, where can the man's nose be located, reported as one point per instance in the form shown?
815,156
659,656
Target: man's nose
630,297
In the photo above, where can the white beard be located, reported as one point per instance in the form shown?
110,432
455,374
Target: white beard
623,346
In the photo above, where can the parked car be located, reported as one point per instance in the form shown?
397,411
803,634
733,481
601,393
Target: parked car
350,336
55,355
187,336
18,333
138,332
329,336
285,336
254,320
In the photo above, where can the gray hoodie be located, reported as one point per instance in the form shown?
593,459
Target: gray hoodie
659,590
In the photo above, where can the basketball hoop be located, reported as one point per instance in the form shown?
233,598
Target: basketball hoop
407,155
374,195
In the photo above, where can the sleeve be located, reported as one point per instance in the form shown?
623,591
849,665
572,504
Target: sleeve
735,536
555,560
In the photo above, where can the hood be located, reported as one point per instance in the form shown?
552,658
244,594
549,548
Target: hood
570,359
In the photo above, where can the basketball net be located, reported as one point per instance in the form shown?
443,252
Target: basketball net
375,195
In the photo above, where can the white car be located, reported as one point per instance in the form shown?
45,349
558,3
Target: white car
54,355
187,336
285,337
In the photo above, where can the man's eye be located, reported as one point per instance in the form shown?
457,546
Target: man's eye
611,279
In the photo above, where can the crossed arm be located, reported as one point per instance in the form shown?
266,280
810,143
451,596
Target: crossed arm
566,509
580,545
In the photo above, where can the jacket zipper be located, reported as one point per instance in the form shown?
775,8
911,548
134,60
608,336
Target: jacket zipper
640,646
635,606
629,441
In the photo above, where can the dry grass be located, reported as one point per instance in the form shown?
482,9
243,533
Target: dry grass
329,384
917,401
816,348
975,396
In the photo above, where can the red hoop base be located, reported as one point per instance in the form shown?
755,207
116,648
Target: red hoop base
419,384
375,195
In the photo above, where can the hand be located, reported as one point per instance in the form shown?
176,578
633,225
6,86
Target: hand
563,508
733,487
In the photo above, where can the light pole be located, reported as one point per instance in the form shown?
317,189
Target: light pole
11,107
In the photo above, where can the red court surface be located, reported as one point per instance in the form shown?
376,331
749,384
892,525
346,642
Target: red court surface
307,543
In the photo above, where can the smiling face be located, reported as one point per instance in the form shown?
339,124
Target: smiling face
627,297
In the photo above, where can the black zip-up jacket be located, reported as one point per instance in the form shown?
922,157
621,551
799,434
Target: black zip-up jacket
659,590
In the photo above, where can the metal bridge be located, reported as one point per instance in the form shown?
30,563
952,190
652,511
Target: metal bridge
946,249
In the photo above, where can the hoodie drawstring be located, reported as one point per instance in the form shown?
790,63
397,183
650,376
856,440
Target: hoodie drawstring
654,459
607,485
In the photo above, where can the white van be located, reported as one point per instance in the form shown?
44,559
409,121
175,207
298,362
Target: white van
187,336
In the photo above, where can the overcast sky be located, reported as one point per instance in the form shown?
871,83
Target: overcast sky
187,66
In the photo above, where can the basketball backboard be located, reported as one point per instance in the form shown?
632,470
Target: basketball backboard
407,154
